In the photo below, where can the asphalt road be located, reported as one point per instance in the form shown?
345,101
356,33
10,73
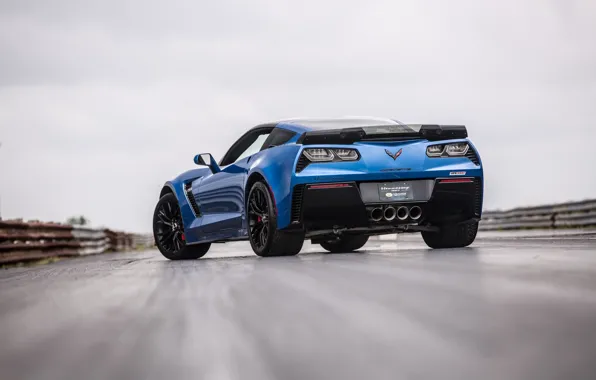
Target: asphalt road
506,308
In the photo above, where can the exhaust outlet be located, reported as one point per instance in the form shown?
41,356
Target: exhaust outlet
415,212
389,213
402,213
376,214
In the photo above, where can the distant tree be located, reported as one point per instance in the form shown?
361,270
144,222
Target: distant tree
78,221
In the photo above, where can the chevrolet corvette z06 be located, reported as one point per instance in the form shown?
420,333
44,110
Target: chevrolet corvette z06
335,182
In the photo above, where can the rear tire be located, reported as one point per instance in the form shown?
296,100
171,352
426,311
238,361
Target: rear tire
346,243
265,239
457,236
168,232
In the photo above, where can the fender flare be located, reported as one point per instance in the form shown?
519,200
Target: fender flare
280,192
166,189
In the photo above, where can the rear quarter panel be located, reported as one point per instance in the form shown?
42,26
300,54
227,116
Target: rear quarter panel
276,165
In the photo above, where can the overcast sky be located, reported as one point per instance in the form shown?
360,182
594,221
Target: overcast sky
102,102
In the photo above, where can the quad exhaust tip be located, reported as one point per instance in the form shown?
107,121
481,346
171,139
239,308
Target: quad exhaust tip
389,213
376,214
415,212
402,213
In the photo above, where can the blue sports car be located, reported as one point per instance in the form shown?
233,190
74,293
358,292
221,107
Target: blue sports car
333,181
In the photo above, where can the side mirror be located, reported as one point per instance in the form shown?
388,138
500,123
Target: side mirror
206,159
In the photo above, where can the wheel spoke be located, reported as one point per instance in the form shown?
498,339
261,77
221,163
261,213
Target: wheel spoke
256,207
169,227
166,237
262,202
177,242
263,236
167,233
256,229
265,233
164,219
258,213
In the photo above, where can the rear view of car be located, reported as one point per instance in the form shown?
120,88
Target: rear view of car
386,179
334,181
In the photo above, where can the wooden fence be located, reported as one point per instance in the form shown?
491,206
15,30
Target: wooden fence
27,241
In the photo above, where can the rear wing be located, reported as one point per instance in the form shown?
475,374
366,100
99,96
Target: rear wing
430,132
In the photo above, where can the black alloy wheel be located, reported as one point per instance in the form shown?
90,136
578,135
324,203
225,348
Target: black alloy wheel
169,227
168,230
265,239
258,217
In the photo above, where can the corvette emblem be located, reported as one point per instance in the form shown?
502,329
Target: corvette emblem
394,156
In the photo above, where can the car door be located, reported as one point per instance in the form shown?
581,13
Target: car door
220,196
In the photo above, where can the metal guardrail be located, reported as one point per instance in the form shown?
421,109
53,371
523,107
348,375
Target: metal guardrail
27,241
562,215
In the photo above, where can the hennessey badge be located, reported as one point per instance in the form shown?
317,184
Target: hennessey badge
394,156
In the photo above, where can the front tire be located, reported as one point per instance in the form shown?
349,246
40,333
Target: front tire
457,236
168,232
265,239
346,243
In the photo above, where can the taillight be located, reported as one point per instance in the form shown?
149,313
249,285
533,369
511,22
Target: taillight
331,154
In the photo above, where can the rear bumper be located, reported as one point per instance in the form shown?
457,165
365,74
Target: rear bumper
351,205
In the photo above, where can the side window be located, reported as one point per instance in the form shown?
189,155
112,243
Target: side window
278,136
248,144
254,147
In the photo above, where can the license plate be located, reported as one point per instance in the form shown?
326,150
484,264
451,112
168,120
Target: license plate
396,191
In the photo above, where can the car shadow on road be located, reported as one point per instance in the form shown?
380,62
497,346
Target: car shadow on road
309,255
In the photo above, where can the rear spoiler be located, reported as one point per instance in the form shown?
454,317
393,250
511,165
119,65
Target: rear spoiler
351,135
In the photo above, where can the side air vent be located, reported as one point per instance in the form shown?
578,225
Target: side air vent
477,196
191,199
297,196
473,156
302,163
